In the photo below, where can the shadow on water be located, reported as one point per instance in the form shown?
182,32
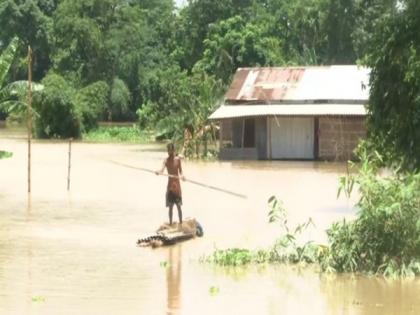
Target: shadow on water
173,280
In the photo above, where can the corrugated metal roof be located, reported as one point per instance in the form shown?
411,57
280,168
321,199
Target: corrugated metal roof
239,111
299,84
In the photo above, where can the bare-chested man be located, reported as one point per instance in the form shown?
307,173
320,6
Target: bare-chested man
173,192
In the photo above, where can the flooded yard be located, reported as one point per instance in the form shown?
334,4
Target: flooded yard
75,252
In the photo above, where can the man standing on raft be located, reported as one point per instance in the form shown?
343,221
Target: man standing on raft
173,191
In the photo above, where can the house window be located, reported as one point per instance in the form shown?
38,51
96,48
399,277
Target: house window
249,133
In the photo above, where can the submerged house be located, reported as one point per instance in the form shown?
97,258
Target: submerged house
293,113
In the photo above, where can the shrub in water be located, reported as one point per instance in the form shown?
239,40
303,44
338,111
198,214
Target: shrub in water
385,236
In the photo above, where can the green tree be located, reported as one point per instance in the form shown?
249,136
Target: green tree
233,43
300,26
119,100
91,102
59,116
30,20
182,110
340,24
194,22
113,41
394,105
78,32
368,14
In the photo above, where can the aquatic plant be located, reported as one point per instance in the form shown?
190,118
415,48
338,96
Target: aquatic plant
384,239
164,264
5,154
286,248
231,257
214,290
385,236
38,299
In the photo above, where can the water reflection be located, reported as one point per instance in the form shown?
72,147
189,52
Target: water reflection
173,280
28,206
353,294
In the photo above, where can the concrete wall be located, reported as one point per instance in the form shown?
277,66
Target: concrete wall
339,136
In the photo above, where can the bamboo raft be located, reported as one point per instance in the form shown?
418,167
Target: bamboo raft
172,234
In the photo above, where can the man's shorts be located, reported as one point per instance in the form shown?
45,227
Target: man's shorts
172,198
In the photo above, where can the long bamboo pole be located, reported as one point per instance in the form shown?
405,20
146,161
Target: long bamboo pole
187,180
29,115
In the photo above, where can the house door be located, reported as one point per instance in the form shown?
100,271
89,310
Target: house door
292,138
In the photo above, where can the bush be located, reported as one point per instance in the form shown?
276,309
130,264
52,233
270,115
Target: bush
119,101
59,116
91,102
385,236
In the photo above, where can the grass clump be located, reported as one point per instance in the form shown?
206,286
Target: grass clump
132,134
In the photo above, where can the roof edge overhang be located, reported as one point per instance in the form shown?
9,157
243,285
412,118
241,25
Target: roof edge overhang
229,102
319,110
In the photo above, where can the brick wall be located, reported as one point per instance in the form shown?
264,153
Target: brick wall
339,136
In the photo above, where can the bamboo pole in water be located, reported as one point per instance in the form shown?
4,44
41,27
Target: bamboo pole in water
29,115
69,165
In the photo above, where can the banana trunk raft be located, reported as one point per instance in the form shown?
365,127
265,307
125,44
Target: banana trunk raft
171,234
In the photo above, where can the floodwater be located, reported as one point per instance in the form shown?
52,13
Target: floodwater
75,252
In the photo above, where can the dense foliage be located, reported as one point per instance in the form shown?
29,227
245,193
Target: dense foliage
8,91
385,236
55,104
394,56
121,58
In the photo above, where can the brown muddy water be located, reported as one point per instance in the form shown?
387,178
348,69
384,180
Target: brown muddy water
75,252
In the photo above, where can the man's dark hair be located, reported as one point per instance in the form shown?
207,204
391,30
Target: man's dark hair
170,146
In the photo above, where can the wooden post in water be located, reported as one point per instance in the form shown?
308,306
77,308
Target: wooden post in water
69,165
29,115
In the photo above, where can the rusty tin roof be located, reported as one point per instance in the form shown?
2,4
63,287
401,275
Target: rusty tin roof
299,84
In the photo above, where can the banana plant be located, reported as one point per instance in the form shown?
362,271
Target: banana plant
12,94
